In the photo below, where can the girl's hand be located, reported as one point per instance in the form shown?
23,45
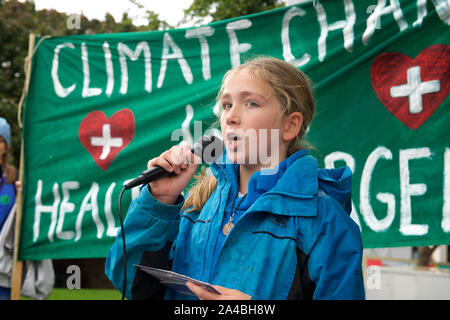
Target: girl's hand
226,294
180,161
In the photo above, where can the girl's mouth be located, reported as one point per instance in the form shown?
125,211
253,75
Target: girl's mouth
232,141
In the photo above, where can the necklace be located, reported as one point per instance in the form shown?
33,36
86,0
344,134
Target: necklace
227,228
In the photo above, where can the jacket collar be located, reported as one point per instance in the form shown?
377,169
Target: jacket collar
288,189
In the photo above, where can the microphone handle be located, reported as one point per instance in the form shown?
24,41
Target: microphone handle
148,176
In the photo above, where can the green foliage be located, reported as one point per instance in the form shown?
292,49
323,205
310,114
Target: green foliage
154,22
224,9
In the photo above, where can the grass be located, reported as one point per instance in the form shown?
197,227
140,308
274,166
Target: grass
83,294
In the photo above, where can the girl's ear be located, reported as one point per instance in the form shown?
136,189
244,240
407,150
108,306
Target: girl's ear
292,125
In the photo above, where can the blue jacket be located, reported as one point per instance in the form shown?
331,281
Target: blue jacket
295,240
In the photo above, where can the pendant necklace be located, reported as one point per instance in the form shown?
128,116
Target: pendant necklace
230,225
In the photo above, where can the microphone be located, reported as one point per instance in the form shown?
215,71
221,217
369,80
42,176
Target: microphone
200,149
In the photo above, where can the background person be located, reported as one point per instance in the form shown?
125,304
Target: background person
7,188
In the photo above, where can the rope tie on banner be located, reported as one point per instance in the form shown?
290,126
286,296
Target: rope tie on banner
27,68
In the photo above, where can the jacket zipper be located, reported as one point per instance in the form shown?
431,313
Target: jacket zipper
222,211
239,222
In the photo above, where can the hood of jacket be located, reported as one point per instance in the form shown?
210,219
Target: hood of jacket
291,188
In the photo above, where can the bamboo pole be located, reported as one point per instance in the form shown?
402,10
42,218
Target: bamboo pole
16,282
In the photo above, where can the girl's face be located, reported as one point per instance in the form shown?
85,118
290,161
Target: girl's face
250,121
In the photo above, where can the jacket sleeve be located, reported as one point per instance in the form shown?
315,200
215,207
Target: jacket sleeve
150,228
335,262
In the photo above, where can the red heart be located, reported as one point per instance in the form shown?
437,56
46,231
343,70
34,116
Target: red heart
104,138
412,89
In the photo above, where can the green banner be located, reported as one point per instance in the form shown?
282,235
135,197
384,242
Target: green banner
100,106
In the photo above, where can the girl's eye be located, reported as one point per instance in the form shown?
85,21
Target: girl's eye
226,105
252,103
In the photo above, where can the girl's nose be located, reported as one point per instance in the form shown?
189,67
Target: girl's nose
233,115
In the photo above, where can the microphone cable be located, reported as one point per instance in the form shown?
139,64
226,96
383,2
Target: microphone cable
124,247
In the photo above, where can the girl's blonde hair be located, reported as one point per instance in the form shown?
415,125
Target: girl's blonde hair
293,90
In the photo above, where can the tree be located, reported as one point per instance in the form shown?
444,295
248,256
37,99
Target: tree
154,22
225,9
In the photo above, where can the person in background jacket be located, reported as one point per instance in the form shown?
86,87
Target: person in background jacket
8,175
255,229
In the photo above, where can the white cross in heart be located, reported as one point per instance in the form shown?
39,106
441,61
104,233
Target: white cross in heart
106,142
414,89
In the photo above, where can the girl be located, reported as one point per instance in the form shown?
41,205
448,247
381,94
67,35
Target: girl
258,229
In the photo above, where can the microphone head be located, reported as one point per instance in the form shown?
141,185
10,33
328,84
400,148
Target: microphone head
208,148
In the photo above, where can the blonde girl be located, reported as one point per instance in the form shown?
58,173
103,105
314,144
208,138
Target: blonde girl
256,229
